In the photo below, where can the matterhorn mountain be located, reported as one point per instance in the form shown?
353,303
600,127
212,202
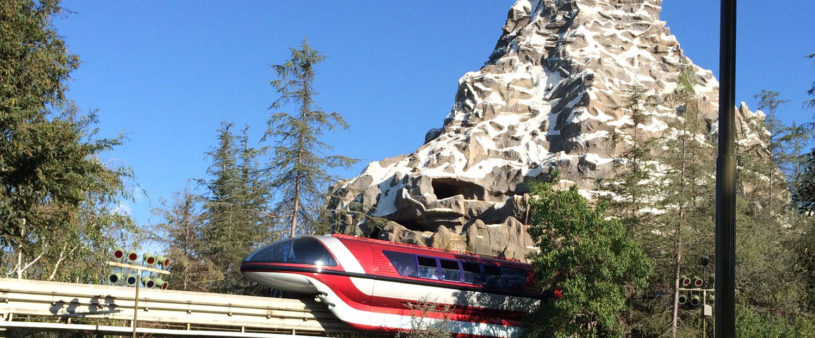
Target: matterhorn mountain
548,98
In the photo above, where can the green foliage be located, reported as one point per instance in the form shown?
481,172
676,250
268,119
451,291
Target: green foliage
58,199
181,232
804,188
298,165
805,191
631,186
686,222
766,255
589,258
354,218
236,218
423,327
805,262
793,164
683,227
763,214
751,323
773,155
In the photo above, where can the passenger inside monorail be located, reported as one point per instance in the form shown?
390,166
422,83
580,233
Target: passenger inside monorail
486,274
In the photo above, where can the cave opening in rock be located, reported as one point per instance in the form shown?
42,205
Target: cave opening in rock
448,187
412,224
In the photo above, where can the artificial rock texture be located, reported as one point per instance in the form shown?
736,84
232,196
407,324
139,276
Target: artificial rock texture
548,98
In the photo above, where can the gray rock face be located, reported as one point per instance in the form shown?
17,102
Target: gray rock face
548,98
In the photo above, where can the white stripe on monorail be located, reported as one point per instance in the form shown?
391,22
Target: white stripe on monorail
417,293
349,314
343,255
145,330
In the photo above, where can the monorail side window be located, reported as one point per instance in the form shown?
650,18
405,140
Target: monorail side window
514,278
492,276
472,273
450,270
404,263
427,267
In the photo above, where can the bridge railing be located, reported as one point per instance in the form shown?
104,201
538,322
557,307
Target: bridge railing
21,298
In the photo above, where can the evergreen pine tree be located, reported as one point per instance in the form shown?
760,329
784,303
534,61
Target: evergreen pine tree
805,191
235,219
804,200
686,198
298,165
684,217
795,140
804,197
631,186
255,192
772,150
766,246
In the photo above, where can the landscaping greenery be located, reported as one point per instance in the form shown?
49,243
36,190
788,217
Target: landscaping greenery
587,263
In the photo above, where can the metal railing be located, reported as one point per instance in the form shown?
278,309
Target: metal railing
182,312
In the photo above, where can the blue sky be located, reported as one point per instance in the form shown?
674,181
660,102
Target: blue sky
166,73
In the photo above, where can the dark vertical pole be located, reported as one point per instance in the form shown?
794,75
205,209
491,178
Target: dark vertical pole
725,313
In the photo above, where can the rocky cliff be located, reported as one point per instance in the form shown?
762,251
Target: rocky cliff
548,97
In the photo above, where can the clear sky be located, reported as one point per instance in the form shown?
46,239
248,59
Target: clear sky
166,73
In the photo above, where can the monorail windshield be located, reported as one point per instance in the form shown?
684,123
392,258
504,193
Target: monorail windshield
304,250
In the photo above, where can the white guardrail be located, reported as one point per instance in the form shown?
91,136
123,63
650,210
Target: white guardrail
160,312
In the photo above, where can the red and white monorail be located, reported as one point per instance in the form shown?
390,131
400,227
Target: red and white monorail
379,285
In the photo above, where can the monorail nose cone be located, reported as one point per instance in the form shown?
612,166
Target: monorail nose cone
284,281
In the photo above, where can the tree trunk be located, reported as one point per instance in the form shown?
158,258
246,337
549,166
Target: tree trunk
678,233
187,238
20,269
298,178
19,265
62,256
301,147
674,324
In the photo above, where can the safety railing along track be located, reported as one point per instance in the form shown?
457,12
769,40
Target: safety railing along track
160,312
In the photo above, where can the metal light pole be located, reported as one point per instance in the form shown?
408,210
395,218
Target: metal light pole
725,325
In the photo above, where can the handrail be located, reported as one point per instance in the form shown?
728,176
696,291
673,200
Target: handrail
20,298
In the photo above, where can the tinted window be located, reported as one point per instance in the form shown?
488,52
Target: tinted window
276,252
308,250
514,278
404,263
449,270
299,251
472,273
492,276
427,267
